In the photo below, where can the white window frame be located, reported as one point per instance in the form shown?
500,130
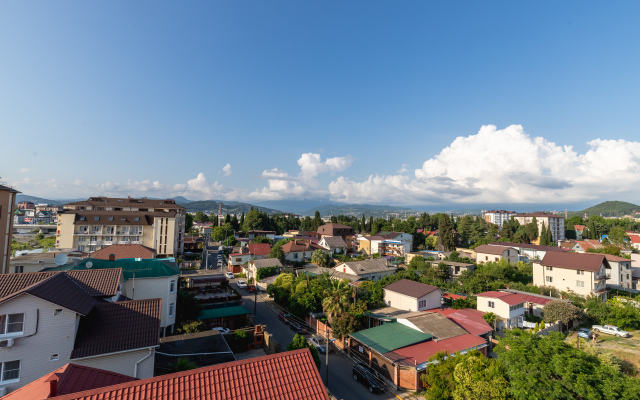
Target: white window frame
549,279
172,286
580,272
548,268
58,311
171,309
580,284
491,304
422,303
54,357
6,327
2,370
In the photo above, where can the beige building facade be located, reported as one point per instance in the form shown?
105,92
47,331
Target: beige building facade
556,222
583,274
100,221
7,207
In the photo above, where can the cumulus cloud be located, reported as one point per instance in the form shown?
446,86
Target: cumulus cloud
24,170
226,170
403,169
281,185
505,166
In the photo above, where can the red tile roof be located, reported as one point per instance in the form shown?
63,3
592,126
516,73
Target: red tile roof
471,320
509,298
288,376
411,288
611,257
72,378
421,352
113,327
577,261
259,249
634,238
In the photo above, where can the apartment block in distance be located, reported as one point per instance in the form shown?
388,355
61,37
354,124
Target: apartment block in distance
7,201
497,217
556,222
98,222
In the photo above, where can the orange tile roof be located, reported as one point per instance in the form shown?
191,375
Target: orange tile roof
259,249
288,376
125,251
72,378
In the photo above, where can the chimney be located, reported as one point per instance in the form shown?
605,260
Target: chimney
112,257
53,385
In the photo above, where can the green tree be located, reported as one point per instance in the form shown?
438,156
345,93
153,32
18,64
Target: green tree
187,307
316,222
191,327
446,238
336,299
479,378
560,310
188,222
201,217
320,258
544,240
277,252
266,272
345,324
183,364
491,319
299,342
431,242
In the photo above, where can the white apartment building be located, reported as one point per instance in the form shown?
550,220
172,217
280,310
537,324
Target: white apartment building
556,222
100,221
582,273
621,275
497,217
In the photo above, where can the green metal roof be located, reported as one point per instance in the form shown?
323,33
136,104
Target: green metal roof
223,312
145,268
390,336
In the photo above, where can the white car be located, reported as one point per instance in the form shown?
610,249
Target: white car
219,256
319,343
242,284
611,330
221,330
229,275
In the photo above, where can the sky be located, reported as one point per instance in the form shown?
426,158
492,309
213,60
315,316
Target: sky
399,103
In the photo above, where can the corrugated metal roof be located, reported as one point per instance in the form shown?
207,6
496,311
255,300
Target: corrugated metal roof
222,312
421,352
437,325
390,336
291,375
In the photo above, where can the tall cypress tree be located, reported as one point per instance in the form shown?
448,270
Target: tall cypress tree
370,224
549,236
544,240
363,224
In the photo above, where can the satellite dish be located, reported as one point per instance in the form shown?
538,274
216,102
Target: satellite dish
89,264
61,259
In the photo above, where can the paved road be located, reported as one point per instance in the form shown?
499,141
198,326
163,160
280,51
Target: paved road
341,382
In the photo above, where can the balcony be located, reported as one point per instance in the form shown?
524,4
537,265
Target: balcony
136,242
600,277
107,243
600,289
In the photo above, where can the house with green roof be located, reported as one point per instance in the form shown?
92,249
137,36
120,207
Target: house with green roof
155,278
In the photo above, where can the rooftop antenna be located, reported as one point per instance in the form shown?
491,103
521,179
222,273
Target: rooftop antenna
61,259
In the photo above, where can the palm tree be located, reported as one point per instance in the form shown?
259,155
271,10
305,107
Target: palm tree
336,299
320,258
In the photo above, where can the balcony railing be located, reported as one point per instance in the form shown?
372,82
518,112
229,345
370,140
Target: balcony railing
600,277
600,289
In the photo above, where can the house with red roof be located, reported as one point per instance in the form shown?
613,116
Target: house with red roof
253,251
49,319
511,306
291,375
119,251
582,273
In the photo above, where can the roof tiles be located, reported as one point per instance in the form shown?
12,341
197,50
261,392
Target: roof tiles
290,375
411,288
576,261
125,251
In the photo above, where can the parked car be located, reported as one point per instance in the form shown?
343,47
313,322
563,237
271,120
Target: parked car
221,330
284,317
368,377
585,333
319,343
251,288
611,330
229,275
219,256
298,328
220,263
241,284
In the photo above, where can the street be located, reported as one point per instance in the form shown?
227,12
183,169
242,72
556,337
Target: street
341,383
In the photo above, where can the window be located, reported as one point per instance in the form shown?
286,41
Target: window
580,272
12,323
124,218
549,268
10,371
54,357
110,218
170,310
58,311
422,304
491,304
486,258
172,286
96,218
580,283
549,279
18,269
136,219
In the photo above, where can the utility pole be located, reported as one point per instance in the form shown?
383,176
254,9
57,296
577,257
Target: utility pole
255,300
326,352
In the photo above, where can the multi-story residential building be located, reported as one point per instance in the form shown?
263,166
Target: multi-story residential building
455,268
334,229
334,244
406,239
100,221
7,207
529,251
582,273
25,205
373,270
48,319
143,279
621,275
508,307
556,222
497,217
49,207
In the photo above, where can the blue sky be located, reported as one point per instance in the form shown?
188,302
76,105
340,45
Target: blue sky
360,102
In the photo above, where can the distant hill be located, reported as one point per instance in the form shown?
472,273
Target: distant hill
228,207
40,200
181,200
611,209
358,209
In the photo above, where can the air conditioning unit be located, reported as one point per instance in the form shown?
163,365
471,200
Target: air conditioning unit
3,391
6,343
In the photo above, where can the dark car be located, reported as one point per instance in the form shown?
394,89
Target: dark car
284,317
251,288
298,328
368,377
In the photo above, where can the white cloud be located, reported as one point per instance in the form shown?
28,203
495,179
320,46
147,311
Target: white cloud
24,170
403,169
226,170
506,166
